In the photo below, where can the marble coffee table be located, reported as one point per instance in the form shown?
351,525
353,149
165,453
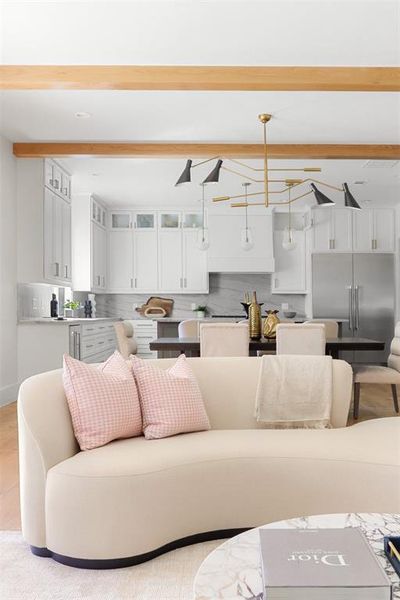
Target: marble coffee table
233,571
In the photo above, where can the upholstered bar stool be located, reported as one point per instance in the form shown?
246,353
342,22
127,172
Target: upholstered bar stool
301,339
188,328
224,339
126,342
389,375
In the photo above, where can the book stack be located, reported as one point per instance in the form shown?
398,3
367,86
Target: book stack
321,564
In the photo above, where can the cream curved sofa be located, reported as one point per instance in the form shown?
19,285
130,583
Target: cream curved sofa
133,499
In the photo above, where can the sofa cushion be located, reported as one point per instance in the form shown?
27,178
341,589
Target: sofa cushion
103,401
171,400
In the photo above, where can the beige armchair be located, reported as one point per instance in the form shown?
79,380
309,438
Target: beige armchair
126,342
389,375
331,327
188,328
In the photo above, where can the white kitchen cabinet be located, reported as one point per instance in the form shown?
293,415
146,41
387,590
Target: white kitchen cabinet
145,260
56,239
66,241
194,268
290,265
332,229
56,178
373,230
99,257
225,254
145,331
89,242
170,260
43,227
120,261
120,220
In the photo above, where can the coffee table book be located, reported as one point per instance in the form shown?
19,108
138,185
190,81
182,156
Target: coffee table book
321,564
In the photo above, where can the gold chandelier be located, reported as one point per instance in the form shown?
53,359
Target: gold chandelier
266,192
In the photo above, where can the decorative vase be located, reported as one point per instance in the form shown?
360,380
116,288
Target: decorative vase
68,313
254,319
270,324
200,314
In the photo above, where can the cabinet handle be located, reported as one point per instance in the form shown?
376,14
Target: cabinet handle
180,282
184,282
276,282
66,271
98,279
372,244
135,282
131,282
375,244
55,184
57,266
104,281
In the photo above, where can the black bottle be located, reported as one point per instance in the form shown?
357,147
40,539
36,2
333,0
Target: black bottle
53,306
88,309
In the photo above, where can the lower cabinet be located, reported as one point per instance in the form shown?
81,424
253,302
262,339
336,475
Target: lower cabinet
92,343
144,331
290,265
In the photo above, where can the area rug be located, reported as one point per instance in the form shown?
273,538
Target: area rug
27,577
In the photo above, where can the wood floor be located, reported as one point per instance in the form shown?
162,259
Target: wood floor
376,401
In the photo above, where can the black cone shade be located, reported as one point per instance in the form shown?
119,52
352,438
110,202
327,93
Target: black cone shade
321,198
213,177
349,199
185,176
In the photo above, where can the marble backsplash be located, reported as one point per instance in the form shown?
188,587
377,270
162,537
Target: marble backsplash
226,291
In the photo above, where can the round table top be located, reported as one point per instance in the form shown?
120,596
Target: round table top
233,570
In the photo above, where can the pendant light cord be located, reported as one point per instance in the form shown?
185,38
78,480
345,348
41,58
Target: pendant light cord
247,226
203,214
290,217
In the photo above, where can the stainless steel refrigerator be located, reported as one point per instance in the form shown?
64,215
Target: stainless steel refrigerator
360,288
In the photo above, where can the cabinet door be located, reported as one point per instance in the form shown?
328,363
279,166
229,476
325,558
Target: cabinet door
120,220
48,173
98,257
342,234
103,258
363,231
145,260
66,241
170,260
384,220
120,261
290,265
48,262
195,275
322,229
58,235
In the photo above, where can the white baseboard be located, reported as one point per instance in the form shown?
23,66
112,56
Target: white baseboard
9,394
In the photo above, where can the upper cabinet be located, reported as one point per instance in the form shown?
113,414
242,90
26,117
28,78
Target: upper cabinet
89,242
226,254
155,252
332,230
373,230
346,230
44,222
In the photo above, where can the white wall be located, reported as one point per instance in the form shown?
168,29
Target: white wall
8,274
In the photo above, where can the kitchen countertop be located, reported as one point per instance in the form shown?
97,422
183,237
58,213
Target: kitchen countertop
69,321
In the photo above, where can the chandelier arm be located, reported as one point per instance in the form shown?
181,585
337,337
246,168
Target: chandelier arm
265,164
242,175
285,203
242,164
203,162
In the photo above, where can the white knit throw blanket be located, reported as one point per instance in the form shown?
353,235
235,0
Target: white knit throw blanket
294,391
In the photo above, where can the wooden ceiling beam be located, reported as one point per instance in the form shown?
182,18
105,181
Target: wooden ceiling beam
204,150
211,78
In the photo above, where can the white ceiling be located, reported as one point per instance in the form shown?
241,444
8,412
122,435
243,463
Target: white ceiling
321,117
141,182
224,32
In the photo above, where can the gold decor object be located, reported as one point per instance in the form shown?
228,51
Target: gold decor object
254,319
270,324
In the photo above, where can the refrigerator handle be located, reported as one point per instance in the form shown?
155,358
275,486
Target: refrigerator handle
351,308
357,307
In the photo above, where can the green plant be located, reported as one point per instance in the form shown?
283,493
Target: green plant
72,304
201,308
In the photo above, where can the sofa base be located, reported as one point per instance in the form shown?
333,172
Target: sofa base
129,561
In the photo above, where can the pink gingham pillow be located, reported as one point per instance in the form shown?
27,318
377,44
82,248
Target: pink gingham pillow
171,400
103,401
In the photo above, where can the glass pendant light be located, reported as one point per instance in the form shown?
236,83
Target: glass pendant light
288,242
203,242
246,236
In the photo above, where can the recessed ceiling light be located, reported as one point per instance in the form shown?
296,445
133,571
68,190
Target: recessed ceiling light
82,115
